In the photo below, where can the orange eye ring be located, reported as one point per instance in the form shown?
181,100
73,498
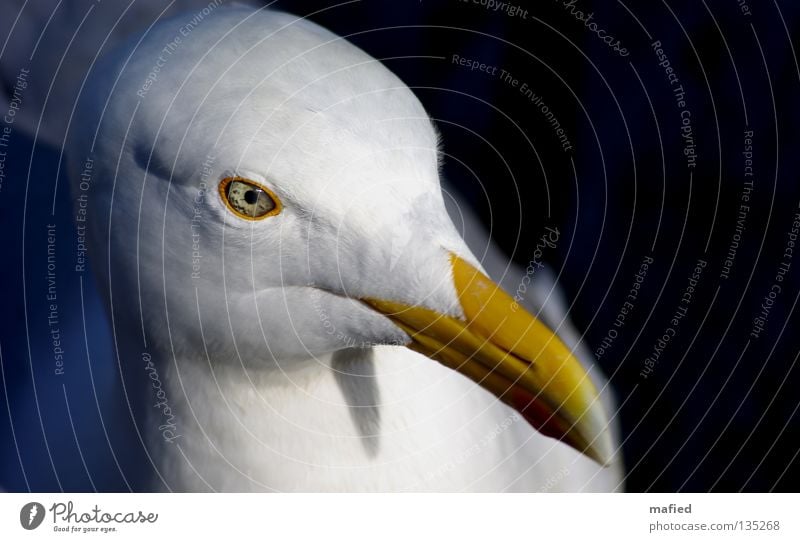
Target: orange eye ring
249,199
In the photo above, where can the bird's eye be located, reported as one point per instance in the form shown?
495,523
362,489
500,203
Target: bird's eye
248,199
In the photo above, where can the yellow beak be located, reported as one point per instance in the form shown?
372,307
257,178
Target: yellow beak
509,352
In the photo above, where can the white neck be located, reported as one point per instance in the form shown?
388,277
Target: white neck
356,421
341,423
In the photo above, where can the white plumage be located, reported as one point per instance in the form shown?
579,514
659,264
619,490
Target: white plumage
248,356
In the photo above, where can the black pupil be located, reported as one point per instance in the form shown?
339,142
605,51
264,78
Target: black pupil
251,196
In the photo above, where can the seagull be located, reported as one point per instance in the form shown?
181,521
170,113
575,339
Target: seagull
293,308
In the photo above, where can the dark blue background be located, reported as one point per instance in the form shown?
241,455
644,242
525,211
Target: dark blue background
718,412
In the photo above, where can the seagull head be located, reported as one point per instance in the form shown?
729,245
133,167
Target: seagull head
264,192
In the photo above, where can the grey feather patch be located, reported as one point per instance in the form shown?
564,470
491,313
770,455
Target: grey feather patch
354,370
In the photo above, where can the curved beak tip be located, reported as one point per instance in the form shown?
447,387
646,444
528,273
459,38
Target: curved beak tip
512,354
589,433
601,448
